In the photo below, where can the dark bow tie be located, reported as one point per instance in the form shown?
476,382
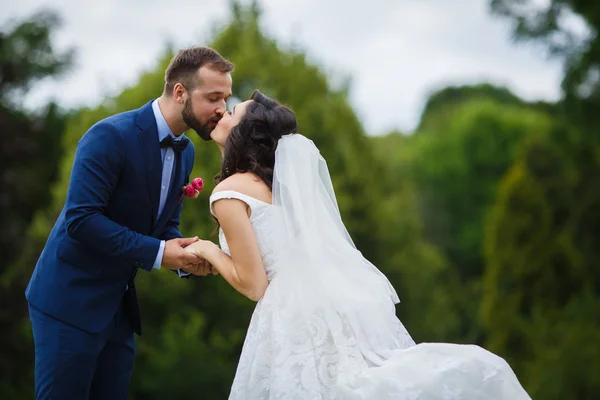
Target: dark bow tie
177,145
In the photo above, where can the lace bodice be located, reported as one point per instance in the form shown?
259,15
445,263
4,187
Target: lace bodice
264,222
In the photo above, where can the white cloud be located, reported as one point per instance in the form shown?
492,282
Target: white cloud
395,51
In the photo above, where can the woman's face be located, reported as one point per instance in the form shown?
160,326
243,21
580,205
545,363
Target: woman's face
229,120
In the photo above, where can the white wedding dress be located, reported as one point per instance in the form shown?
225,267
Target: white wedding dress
326,328
291,352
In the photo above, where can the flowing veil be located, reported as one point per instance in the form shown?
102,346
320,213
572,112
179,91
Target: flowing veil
313,227
320,268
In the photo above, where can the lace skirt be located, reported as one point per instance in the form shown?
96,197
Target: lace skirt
304,344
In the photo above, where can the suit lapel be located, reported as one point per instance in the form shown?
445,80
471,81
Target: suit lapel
150,147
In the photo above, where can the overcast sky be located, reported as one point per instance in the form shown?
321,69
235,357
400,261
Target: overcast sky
397,51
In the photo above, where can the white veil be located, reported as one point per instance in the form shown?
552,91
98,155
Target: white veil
313,226
319,268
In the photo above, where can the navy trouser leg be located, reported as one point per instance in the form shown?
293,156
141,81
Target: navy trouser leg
74,364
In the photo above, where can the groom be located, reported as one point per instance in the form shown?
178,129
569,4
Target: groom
121,215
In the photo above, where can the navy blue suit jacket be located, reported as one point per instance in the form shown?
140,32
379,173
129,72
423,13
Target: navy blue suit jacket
108,227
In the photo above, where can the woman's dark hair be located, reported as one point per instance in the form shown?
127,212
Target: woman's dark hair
251,144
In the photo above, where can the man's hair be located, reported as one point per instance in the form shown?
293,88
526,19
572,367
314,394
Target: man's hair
185,64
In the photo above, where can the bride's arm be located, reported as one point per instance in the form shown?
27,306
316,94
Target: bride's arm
244,270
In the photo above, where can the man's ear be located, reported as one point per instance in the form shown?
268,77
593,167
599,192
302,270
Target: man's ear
180,94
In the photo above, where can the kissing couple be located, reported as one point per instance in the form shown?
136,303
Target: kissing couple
324,326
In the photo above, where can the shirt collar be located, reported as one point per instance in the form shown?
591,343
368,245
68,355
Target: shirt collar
161,123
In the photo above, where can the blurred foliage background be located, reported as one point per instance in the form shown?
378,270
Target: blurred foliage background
486,219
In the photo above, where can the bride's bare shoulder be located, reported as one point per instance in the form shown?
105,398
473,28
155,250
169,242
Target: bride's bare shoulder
246,183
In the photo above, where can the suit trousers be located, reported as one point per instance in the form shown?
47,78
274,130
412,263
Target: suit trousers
71,363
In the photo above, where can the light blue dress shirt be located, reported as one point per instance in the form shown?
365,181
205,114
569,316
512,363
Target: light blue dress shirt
168,161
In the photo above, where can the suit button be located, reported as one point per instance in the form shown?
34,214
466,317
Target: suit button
138,264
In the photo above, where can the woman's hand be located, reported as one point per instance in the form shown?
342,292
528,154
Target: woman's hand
203,248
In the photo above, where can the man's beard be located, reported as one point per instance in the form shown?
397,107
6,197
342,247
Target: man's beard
190,120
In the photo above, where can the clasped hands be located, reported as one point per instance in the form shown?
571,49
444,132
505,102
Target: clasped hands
179,254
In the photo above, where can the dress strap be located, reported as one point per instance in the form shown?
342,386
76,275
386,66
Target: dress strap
232,194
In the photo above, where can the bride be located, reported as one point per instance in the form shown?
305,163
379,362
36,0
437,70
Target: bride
324,326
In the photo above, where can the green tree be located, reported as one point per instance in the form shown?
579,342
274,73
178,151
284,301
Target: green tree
569,29
28,160
456,163
542,303
26,56
457,169
542,242
441,104
427,285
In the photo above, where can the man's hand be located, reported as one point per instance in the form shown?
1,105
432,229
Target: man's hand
202,268
175,257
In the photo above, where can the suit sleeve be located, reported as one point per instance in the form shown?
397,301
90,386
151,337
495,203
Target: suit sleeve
99,159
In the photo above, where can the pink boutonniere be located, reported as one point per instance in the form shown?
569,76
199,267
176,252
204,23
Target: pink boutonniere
192,189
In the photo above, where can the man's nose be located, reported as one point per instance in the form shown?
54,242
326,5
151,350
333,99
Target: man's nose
221,108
